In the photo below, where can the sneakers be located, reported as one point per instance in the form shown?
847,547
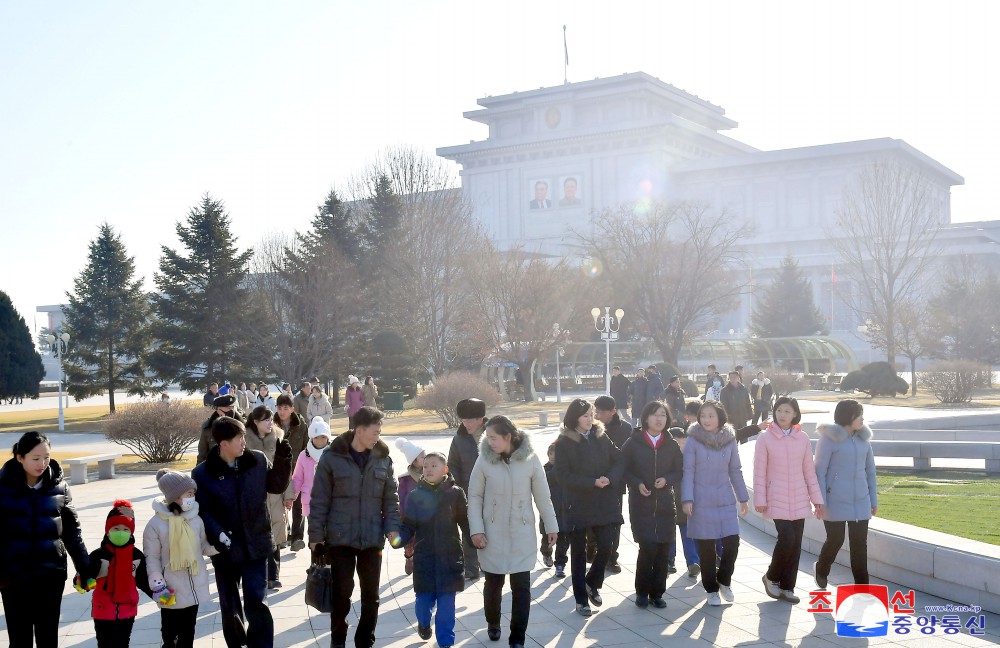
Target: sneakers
659,603
789,595
583,610
547,561
694,570
641,600
820,580
713,599
613,567
671,569
594,596
726,592
493,632
770,587
424,632
560,571
298,545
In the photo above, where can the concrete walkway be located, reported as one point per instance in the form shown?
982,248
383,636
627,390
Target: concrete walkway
753,619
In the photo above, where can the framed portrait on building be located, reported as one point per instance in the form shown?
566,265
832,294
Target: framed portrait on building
570,194
539,190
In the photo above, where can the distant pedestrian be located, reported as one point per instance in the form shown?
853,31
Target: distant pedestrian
209,398
620,390
319,405
675,397
784,484
265,398
845,470
300,401
638,393
354,399
370,392
762,393
736,399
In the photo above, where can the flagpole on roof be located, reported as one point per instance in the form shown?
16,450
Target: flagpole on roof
565,56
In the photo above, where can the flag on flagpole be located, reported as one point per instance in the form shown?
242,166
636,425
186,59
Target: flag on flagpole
833,275
565,46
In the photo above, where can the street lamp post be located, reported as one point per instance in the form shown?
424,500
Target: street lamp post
559,351
608,326
60,343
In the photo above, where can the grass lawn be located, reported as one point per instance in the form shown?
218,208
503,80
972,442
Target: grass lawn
962,503
924,399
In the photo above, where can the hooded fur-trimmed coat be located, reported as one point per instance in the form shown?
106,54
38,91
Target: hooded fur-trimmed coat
713,482
845,471
500,496
579,463
784,477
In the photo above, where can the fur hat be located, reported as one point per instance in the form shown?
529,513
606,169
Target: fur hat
318,427
471,408
226,400
121,513
173,484
409,449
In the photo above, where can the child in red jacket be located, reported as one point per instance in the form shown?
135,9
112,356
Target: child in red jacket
118,571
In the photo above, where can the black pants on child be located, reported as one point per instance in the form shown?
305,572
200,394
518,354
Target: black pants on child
33,608
706,550
857,534
177,626
561,547
784,568
113,634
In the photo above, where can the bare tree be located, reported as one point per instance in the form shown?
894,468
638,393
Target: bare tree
911,335
519,297
672,262
885,236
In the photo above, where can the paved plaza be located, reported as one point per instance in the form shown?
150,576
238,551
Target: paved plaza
753,619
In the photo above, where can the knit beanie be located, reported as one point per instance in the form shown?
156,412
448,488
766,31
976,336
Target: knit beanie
121,513
173,484
409,449
318,427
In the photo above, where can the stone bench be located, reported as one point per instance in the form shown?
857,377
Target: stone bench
543,417
105,467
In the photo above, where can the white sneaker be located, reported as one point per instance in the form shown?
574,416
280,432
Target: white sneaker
771,588
789,596
713,598
726,593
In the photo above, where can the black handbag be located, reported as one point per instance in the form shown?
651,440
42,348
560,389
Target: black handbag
319,581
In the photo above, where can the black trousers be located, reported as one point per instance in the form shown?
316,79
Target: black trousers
784,568
298,522
113,634
711,579
561,546
651,568
177,626
32,608
761,410
520,602
857,533
344,561
247,621
594,577
274,564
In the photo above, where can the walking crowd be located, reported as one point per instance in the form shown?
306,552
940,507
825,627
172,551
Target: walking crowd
278,476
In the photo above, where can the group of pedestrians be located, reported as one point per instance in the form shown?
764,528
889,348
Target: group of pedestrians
457,517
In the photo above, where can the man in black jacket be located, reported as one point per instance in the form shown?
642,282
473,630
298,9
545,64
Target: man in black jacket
232,497
224,406
674,397
462,457
619,432
619,390
353,510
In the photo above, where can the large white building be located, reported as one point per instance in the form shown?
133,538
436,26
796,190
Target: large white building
555,154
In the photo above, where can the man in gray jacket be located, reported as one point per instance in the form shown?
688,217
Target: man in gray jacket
354,508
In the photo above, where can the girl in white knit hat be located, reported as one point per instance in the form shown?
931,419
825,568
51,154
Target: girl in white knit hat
407,483
305,465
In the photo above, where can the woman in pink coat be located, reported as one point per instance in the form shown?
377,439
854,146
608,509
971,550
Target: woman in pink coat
354,399
784,483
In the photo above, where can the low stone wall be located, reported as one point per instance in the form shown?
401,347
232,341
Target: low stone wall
960,570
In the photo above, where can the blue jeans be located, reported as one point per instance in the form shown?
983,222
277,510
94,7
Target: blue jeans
689,546
444,620
258,631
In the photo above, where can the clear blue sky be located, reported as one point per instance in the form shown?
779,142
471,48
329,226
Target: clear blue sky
128,112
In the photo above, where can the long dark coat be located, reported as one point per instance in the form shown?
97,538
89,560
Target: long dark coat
579,463
434,514
39,526
462,457
653,517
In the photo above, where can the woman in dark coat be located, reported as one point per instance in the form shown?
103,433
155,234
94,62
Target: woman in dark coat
40,527
589,469
653,469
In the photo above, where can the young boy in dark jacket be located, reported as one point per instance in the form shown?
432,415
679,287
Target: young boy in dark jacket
435,511
117,573
562,544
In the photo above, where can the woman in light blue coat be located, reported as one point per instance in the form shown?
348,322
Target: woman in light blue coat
845,469
710,488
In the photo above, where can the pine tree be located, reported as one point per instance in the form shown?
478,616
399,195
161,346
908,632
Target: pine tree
200,319
384,213
108,317
786,307
20,364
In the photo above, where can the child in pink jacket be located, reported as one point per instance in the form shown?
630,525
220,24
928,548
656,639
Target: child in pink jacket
784,483
305,465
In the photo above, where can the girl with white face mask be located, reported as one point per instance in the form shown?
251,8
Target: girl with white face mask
175,545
